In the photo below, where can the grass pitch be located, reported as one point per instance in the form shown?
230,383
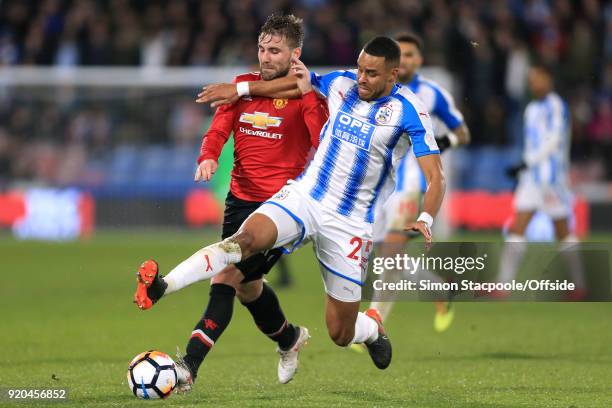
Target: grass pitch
68,322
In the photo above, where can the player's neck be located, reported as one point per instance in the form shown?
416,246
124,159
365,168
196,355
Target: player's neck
543,95
388,91
409,78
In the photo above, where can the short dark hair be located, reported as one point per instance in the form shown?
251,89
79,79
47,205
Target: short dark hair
544,67
288,26
384,47
410,38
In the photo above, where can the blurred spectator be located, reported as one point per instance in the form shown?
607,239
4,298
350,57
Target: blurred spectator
599,132
6,154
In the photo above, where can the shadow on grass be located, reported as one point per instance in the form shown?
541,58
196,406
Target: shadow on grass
128,400
509,355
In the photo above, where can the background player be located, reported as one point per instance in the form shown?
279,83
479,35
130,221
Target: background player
543,177
404,204
273,138
333,202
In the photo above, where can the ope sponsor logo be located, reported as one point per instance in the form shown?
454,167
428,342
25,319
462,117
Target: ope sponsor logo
353,130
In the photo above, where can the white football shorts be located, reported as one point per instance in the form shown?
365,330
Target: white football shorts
552,199
342,245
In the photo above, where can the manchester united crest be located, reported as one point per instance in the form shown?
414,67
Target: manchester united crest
280,103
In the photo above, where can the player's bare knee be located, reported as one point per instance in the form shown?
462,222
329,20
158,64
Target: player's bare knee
250,291
246,240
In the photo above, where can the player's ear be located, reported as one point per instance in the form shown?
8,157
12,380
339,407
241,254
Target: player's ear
419,58
297,52
393,74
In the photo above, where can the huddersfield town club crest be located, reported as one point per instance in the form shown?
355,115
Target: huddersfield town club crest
383,116
281,195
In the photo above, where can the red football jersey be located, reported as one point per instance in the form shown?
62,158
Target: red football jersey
272,139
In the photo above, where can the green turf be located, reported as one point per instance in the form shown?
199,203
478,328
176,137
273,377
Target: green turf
67,313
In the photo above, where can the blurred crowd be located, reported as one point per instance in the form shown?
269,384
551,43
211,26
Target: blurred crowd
486,44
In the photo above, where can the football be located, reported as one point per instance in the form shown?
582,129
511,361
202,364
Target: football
152,375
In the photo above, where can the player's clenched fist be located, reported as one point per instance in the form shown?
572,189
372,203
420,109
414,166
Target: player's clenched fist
205,170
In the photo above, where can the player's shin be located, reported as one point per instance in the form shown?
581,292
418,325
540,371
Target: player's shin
209,328
204,264
270,319
511,257
570,250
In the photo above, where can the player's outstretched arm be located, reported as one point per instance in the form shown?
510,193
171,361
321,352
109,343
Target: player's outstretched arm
222,94
436,185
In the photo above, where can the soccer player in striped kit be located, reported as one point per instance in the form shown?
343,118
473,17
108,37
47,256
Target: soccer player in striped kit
373,123
543,183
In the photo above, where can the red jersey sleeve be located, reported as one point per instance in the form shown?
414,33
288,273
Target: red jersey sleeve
315,113
219,131
222,125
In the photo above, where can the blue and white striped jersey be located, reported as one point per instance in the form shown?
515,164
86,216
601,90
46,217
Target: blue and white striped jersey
362,143
546,147
444,115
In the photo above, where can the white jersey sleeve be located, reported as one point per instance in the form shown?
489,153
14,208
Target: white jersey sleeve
417,125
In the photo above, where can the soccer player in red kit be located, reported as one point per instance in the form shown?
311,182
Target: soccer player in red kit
272,141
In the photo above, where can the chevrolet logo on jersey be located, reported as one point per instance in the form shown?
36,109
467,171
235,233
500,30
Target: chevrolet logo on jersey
260,120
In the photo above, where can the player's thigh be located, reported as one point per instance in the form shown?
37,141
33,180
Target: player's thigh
260,263
257,233
557,202
340,319
288,211
253,236
527,197
255,266
343,257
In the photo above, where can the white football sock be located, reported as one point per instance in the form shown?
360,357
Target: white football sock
204,264
511,257
569,248
366,329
